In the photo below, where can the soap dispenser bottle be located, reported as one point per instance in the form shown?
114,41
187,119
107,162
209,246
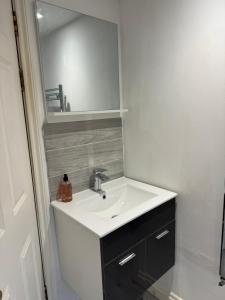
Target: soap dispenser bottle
65,190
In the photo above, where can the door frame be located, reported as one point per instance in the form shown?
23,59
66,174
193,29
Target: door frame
35,117
22,87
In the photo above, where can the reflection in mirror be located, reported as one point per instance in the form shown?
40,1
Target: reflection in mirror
80,63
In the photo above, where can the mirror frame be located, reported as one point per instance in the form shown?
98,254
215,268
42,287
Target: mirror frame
57,117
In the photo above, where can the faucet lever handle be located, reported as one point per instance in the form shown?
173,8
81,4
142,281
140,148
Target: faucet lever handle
99,170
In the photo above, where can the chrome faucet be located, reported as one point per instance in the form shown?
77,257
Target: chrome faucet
96,181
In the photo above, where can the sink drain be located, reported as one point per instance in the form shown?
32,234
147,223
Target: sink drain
114,216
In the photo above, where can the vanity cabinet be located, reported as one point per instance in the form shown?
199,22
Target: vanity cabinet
120,265
160,251
124,277
138,254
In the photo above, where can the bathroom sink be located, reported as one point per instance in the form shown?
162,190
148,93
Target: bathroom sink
118,200
126,199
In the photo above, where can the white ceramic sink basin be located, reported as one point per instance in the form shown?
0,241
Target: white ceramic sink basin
126,199
118,200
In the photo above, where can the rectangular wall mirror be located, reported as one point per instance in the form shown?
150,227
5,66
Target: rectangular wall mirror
80,61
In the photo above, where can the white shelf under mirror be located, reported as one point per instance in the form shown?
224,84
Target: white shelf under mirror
55,117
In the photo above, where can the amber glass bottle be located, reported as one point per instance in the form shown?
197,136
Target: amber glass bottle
65,190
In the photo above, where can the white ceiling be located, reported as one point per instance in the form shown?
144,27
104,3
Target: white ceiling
54,17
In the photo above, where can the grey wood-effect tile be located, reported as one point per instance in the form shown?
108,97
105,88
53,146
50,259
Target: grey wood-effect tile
66,127
72,159
80,179
66,140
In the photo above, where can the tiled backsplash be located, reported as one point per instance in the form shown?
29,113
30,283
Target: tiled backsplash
76,148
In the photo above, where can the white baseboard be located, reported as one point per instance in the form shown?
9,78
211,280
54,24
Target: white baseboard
162,295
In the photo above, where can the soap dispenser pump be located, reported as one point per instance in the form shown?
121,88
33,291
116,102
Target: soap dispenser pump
65,190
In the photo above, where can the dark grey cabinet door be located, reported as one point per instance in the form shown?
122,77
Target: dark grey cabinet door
125,277
160,252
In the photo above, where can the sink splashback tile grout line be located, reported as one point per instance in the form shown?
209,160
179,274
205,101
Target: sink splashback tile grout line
81,145
82,169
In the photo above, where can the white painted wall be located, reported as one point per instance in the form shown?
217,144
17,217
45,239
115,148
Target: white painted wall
174,87
107,10
83,57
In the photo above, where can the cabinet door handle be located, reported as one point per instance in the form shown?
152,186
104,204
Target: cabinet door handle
127,259
161,235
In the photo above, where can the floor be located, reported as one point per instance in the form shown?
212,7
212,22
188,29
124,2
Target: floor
148,296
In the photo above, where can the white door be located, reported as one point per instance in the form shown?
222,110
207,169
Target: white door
20,263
